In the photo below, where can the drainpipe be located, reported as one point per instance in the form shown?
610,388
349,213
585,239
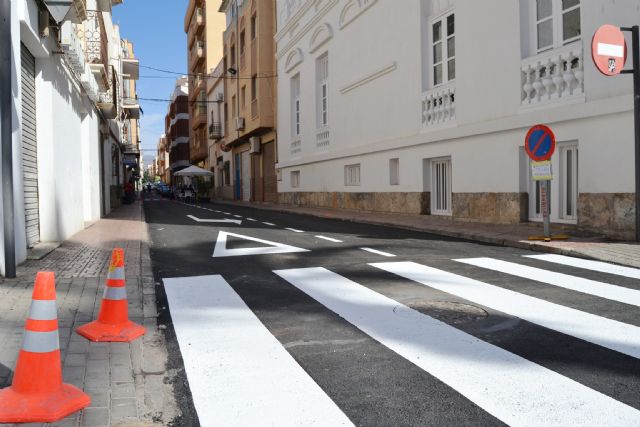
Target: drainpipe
6,139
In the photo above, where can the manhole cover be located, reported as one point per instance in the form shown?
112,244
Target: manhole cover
448,311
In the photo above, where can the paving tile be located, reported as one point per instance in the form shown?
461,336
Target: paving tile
95,417
123,408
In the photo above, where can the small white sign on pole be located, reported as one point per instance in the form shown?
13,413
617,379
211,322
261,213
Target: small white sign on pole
541,171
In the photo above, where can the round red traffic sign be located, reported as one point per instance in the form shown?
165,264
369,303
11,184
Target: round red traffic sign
540,143
609,50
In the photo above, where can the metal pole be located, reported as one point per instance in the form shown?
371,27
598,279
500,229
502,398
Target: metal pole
6,138
546,187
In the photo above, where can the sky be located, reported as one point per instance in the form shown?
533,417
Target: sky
156,29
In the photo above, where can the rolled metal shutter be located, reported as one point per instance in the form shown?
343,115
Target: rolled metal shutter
30,147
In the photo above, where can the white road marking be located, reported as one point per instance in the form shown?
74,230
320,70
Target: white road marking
511,388
239,374
252,220
294,230
221,250
331,239
374,251
227,221
226,213
605,332
587,286
603,267
268,223
238,216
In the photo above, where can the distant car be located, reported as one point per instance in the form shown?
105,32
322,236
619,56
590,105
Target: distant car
164,190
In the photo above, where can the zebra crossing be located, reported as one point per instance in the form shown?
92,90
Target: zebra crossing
240,373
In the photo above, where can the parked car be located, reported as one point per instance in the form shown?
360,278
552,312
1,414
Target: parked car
164,190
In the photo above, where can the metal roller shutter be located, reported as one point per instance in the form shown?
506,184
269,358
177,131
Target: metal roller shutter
29,147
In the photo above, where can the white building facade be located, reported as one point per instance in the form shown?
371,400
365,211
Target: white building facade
67,76
422,107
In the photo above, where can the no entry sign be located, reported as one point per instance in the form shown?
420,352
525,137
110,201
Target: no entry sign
609,50
540,143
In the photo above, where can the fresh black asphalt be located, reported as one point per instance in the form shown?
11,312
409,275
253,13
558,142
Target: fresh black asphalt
369,382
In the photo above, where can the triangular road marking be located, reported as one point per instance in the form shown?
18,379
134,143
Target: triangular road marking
275,248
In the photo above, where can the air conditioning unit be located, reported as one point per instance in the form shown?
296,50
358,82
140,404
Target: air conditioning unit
239,123
255,145
219,97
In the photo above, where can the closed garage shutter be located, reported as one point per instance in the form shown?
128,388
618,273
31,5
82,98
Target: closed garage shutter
29,147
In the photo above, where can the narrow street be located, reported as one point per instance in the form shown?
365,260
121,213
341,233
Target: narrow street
281,318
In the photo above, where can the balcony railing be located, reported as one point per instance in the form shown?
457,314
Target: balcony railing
323,138
215,131
254,108
439,105
96,47
551,76
296,147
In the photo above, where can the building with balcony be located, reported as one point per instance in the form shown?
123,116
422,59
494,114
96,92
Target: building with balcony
250,97
162,160
177,128
131,118
219,152
203,25
433,121
67,128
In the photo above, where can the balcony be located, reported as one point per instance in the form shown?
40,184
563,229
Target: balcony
96,42
323,138
131,68
199,116
108,100
198,84
215,131
197,53
74,10
439,106
131,149
131,108
553,76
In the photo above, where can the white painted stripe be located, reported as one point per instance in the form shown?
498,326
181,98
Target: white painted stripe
374,251
238,216
294,230
268,223
331,239
41,342
115,274
587,286
115,294
605,332
509,387
239,374
43,310
603,267
226,213
252,220
614,50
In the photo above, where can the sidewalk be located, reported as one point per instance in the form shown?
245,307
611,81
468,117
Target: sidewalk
128,383
597,248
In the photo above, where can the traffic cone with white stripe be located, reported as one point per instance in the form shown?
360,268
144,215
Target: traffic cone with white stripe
113,324
37,393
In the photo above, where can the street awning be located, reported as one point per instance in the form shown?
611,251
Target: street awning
193,171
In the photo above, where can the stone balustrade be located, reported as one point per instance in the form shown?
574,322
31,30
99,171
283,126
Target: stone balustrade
553,76
323,138
439,105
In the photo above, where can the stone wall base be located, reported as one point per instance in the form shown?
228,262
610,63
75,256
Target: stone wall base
611,214
494,208
408,203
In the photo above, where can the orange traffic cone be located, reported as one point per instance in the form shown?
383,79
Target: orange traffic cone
113,324
37,393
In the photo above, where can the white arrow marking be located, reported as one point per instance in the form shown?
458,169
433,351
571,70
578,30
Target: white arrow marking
274,247
227,221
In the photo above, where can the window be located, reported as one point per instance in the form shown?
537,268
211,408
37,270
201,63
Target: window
253,26
232,55
233,106
254,87
569,181
295,105
557,23
241,42
227,173
295,179
441,187
394,171
444,50
243,96
352,175
322,83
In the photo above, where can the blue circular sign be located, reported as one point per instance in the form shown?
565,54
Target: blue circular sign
540,143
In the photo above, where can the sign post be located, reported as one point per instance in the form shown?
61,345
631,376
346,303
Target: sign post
540,143
609,52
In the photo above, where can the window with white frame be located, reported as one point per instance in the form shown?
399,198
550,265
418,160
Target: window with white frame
557,23
394,171
569,181
441,187
352,174
295,179
295,105
443,49
322,89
